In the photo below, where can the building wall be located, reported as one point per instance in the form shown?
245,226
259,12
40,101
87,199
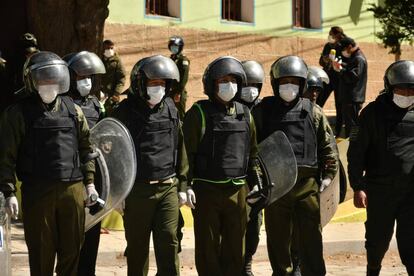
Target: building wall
271,17
135,41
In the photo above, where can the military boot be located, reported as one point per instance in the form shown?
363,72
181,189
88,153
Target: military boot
247,271
373,272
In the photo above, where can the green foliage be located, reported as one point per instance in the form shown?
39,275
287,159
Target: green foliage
397,20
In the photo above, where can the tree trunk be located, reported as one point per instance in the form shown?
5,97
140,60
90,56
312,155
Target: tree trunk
60,26
65,26
398,53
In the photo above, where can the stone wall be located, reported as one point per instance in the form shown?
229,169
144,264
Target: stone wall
134,42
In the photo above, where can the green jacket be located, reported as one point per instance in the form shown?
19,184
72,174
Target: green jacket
326,151
113,80
192,127
122,113
12,125
183,64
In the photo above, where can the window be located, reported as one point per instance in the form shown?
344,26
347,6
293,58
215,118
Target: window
307,13
237,10
170,8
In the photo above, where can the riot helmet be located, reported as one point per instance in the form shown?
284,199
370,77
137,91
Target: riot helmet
153,68
47,74
289,67
28,42
319,72
399,83
176,44
222,67
314,87
254,72
254,78
400,73
85,63
83,67
314,82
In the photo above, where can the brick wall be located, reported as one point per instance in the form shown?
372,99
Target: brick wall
201,46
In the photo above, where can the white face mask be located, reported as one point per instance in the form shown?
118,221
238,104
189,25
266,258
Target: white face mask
227,91
249,94
155,93
288,92
84,86
48,92
346,54
109,53
403,101
331,39
174,49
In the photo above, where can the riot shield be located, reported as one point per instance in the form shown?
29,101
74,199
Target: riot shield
336,191
278,164
5,234
116,167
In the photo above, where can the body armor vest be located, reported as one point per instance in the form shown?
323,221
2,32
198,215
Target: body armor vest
399,130
297,124
91,109
49,149
224,149
156,140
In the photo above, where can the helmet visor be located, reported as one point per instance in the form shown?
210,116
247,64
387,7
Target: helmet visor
57,74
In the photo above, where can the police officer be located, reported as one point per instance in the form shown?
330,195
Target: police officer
380,166
308,131
113,81
152,205
314,87
221,143
178,92
83,68
44,139
179,95
26,46
249,96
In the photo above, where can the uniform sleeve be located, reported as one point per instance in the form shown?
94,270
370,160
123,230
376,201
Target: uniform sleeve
182,162
258,121
358,147
12,130
119,77
192,135
184,70
327,153
85,147
254,152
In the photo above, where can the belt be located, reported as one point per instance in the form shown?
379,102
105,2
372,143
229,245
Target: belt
163,181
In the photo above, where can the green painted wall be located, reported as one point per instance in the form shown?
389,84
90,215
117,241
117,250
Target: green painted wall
272,17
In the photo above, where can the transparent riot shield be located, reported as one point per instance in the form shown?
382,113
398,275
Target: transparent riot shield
278,163
116,167
5,233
